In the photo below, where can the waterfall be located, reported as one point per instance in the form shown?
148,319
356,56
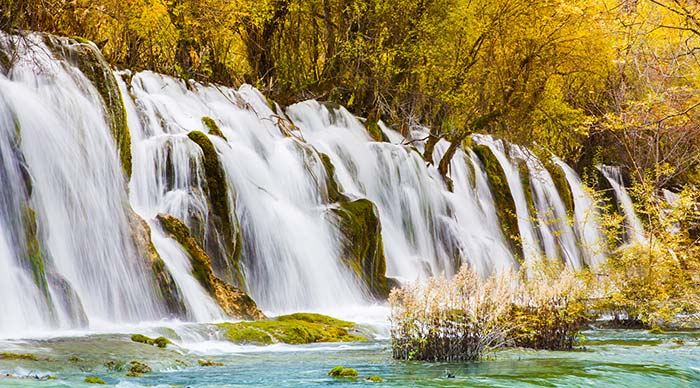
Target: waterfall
258,188
532,252
78,189
417,229
586,218
290,249
635,229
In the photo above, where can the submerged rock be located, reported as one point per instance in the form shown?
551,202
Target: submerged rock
234,301
160,342
18,356
137,368
94,380
340,371
362,248
202,362
300,328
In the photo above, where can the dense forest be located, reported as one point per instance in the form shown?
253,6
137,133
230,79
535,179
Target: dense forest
602,81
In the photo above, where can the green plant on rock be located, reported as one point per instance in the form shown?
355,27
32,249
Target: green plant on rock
203,362
160,342
94,380
137,368
212,127
18,356
340,371
114,366
299,328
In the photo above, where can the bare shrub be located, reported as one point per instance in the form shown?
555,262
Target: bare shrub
468,317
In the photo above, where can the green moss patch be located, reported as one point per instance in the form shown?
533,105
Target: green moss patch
137,368
202,362
212,127
374,379
340,371
18,356
221,217
334,193
295,329
94,380
160,342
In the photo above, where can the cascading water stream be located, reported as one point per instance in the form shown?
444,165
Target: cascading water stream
471,199
78,188
531,250
168,179
290,253
417,228
635,229
586,219
22,299
558,237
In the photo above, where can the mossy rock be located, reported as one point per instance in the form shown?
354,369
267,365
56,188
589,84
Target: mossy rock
223,242
340,371
18,356
114,366
165,284
656,330
374,379
160,342
332,187
94,380
33,249
212,127
86,57
362,248
202,362
138,368
374,131
295,329
505,205
232,300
